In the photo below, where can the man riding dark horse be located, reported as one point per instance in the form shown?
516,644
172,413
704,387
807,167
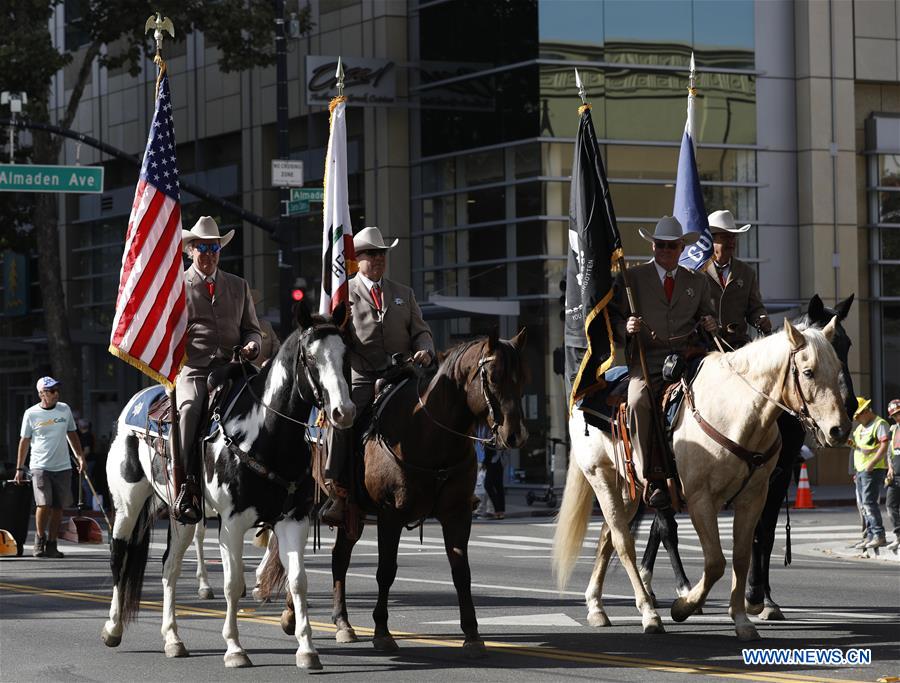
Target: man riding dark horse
221,316
385,320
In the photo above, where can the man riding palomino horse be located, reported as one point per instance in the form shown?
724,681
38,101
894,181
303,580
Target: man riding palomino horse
670,302
385,320
221,315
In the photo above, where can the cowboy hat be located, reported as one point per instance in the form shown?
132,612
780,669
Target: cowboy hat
668,229
723,221
862,406
370,239
205,229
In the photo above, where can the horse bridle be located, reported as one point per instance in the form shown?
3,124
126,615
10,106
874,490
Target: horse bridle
493,423
310,381
802,413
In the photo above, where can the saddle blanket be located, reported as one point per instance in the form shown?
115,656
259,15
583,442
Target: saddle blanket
136,412
598,411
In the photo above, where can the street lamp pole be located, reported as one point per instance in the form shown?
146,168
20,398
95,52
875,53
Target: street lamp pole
285,230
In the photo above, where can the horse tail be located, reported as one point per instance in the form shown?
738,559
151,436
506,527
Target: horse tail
261,540
271,579
128,560
571,523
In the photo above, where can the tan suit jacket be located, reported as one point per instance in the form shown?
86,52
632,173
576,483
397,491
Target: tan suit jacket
215,325
376,335
738,303
673,322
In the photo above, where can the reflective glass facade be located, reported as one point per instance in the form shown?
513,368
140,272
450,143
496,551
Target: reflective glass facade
491,182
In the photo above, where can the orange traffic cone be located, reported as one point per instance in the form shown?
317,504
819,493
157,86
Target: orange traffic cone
804,494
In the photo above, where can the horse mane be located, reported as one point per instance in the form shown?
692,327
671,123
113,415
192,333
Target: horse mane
767,355
450,366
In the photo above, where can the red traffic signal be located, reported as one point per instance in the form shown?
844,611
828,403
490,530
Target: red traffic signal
297,294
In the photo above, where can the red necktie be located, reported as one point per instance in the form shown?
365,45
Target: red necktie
211,288
669,286
376,296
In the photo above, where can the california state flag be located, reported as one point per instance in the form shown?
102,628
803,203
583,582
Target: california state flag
338,256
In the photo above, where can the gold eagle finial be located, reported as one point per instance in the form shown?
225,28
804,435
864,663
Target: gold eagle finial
158,24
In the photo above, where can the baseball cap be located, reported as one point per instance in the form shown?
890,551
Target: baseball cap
46,383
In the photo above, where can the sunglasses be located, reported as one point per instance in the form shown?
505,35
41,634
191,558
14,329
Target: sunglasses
52,390
674,244
212,248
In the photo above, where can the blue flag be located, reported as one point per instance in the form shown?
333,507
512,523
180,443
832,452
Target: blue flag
689,208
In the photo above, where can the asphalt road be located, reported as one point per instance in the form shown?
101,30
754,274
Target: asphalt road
51,613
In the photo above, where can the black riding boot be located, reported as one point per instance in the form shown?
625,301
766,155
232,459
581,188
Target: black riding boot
188,504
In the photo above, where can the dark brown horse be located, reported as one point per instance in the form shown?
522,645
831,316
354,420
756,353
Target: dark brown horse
420,463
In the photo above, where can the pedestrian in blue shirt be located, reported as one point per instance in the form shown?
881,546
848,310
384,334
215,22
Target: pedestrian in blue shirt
46,428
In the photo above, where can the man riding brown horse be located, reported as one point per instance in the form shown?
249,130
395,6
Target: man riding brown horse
385,320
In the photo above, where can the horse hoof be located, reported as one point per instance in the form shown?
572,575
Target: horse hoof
772,613
308,660
206,594
753,608
654,625
598,619
288,622
385,644
474,649
346,635
745,633
237,660
109,639
681,610
699,610
176,650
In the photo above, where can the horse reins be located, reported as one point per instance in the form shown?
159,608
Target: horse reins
492,420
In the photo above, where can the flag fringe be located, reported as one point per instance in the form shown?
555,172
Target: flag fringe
583,108
143,367
599,307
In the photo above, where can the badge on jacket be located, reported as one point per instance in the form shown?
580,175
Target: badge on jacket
689,291
398,301
739,283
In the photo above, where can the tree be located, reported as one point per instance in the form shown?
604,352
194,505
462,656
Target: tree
242,29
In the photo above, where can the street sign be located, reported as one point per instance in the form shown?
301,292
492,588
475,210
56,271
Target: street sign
301,198
286,173
309,194
32,178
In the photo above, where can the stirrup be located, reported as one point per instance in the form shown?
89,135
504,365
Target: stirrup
187,504
657,498
334,511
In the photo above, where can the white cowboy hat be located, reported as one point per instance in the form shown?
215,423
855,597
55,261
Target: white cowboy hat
723,221
668,229
369,239
205,229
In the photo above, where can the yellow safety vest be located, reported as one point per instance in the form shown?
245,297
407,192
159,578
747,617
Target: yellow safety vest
865,440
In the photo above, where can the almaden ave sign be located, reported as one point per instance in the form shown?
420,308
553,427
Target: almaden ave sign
31,178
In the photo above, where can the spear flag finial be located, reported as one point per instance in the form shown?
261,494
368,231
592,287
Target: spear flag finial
339,75
582,93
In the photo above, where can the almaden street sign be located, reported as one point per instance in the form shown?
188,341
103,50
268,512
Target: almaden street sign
30,178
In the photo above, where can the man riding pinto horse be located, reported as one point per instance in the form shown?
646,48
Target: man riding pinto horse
221,316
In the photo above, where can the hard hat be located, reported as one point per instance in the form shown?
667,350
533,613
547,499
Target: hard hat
862,404
8,546
894,407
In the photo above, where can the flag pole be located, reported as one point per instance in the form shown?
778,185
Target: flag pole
658,430
158,25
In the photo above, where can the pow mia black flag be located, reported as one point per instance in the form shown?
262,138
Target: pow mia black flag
594,248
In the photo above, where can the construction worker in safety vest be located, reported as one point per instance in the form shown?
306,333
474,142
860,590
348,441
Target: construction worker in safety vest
870,444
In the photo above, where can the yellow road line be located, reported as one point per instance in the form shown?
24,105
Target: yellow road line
542,652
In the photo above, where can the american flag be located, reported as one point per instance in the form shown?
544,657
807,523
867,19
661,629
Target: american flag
149,329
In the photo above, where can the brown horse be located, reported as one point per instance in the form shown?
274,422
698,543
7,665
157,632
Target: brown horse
420,463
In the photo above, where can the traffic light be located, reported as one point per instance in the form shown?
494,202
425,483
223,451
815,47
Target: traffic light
562,299
559,360
298,291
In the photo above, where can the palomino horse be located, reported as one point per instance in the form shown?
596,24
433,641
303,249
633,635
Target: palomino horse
420,463
257,466
664,528
737,398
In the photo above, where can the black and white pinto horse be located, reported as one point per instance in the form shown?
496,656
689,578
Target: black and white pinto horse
257,471
665,529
